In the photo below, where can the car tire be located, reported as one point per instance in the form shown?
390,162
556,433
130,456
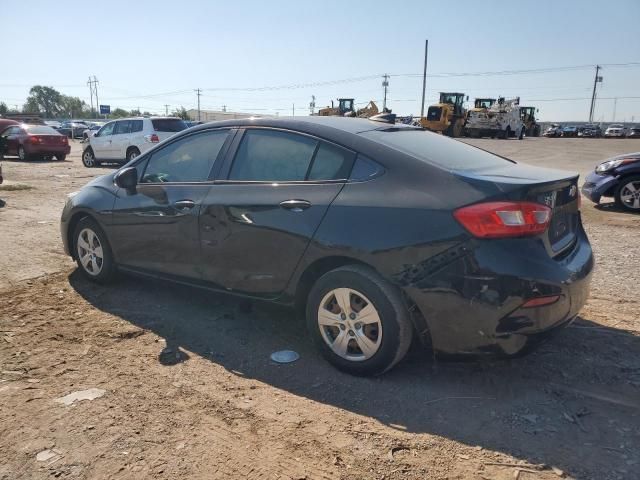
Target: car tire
88,158
364,348
132,152
61,158
22,154
92,251
627,194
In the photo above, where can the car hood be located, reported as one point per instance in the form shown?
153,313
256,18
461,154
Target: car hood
624,155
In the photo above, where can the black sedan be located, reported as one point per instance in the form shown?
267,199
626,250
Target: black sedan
617,177
380,232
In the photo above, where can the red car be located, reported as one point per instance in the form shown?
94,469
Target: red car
35,141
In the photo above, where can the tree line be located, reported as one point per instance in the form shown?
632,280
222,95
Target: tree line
50,103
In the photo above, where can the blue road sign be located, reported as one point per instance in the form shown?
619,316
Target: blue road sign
105,109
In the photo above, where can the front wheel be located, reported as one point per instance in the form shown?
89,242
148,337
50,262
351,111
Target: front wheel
88,158
627,195
358,320
93,252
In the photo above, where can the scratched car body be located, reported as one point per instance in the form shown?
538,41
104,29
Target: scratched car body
379,232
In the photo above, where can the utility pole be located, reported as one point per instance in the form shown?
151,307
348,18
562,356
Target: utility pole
293,110
90,83
198,92
166,110
424,76
615,103
312,105
224,108
593,95
385,84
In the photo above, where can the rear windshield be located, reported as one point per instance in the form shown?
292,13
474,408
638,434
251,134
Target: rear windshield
41,130
168,124
436,149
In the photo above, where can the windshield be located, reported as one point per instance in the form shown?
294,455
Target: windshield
436,149
615,125
168,124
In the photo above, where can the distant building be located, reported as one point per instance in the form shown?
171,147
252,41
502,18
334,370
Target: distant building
216,115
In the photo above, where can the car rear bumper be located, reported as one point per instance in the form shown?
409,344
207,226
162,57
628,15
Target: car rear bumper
473,307
596,186
47,149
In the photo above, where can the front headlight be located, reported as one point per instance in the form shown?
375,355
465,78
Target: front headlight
612,164
72,194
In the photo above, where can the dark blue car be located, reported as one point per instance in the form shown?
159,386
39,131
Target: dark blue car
617,177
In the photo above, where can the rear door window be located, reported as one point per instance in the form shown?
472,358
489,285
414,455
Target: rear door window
330,163
136,126
168,124
273,156
122,126
187,160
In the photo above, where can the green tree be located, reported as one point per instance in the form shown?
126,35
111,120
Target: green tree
119,113
3,108
73,107
135,113
180,113
46,100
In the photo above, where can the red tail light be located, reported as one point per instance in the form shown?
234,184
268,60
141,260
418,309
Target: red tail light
63,139
35,139
153,138
541,301
504,219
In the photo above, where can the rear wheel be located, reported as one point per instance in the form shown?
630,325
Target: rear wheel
22,154
93,252
627,195
132,153
358,320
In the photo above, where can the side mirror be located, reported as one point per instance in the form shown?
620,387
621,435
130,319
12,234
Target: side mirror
127,178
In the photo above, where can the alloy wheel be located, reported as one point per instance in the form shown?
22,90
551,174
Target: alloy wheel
87,159
90,251
630,195
21,153
350,324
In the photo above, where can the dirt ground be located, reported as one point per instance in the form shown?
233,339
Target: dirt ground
188,390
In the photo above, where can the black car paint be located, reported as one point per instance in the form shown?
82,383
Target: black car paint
469,291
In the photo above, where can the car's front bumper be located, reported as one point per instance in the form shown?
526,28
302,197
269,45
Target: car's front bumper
472,304
596,186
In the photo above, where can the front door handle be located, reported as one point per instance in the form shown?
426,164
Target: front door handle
295,205
184,204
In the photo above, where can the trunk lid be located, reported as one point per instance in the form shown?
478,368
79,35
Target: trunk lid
557,189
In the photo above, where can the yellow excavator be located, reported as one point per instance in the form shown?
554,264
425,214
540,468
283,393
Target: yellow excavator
346,108
531,125
447,116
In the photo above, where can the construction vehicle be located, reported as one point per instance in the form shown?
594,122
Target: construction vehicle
346,108
447,116
501,120
528,117
483,103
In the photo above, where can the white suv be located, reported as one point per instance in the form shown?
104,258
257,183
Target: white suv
123,140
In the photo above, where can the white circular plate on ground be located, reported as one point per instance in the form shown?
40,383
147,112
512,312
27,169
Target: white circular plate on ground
285,356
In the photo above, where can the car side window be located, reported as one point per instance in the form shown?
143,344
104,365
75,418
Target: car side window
122,126
136,126
330,163
106,130
272,156
186,160
365,169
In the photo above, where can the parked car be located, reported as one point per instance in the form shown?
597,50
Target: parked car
590,131
634,132
617,177
30,142
53,124
1,177
570,131
615,130
555,130
91,131
74,129
123,140
380,232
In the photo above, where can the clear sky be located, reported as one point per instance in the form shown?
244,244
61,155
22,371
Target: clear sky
150,53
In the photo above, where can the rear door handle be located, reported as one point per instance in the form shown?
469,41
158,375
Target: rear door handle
184,204
295,205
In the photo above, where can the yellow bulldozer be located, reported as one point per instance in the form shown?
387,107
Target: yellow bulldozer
346,108
447,116
531,125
